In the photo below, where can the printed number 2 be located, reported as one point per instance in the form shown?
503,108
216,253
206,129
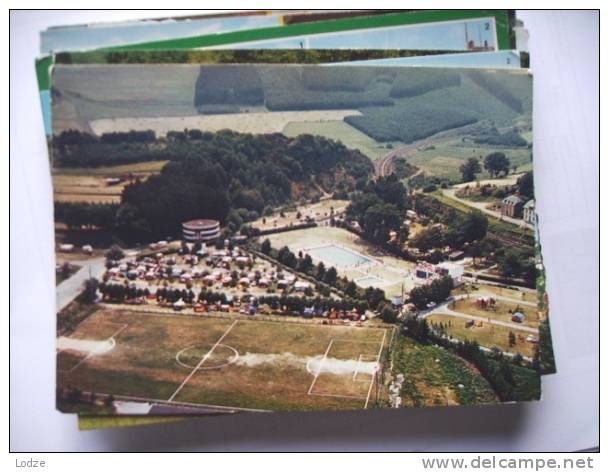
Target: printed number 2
487,26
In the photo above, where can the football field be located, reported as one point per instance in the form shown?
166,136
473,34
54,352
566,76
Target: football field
241,363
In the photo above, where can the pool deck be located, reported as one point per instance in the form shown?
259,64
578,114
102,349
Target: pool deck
389,271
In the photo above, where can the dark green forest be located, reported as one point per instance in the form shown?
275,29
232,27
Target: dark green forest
228,176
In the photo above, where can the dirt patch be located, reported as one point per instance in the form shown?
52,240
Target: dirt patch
87,346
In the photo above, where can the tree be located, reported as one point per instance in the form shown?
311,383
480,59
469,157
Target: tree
469,169
90,292
266,246
525,185
379,220
321,271
475,251
330,276
428,239
497,163
115,253
305,263
474,226
510,264
388,314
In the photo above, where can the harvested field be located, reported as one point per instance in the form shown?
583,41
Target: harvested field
257,123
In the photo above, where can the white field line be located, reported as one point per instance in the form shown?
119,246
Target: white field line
378,358
321,364
91,353
335,395
202,361
359,359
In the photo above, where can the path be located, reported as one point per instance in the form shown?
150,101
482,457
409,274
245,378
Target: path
442,309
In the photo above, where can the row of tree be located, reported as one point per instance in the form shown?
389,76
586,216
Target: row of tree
373,297
460,230
510,380
496,164
436,291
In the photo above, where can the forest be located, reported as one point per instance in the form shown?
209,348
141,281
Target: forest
227,176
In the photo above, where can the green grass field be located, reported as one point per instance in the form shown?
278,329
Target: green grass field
241,363
487,335
435,377
343,132
444,161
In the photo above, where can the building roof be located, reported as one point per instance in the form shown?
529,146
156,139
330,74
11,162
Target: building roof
512,200
201,224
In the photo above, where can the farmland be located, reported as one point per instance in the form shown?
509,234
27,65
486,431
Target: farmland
257,122
82,94
90,185
445,158
225,362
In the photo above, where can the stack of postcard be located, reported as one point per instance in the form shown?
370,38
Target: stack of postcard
293,211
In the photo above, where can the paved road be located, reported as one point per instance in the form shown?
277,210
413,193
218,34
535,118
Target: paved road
69,289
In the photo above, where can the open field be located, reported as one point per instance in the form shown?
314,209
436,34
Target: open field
137,169
382,270
500,312
446,157
80,188
487,335
86,93
227,362
343,132
90,185
257,123
508,292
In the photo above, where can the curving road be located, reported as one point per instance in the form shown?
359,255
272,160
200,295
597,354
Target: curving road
70,288
443,309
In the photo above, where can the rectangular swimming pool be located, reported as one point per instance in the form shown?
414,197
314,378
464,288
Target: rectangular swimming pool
338,257
370,281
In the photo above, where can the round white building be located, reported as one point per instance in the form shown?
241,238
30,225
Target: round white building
201,230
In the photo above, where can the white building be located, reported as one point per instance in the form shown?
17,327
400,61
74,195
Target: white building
201,230
528,212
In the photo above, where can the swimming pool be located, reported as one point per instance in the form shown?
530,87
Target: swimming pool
338,257
370,281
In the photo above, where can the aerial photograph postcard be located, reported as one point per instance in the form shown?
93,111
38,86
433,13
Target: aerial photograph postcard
256,237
